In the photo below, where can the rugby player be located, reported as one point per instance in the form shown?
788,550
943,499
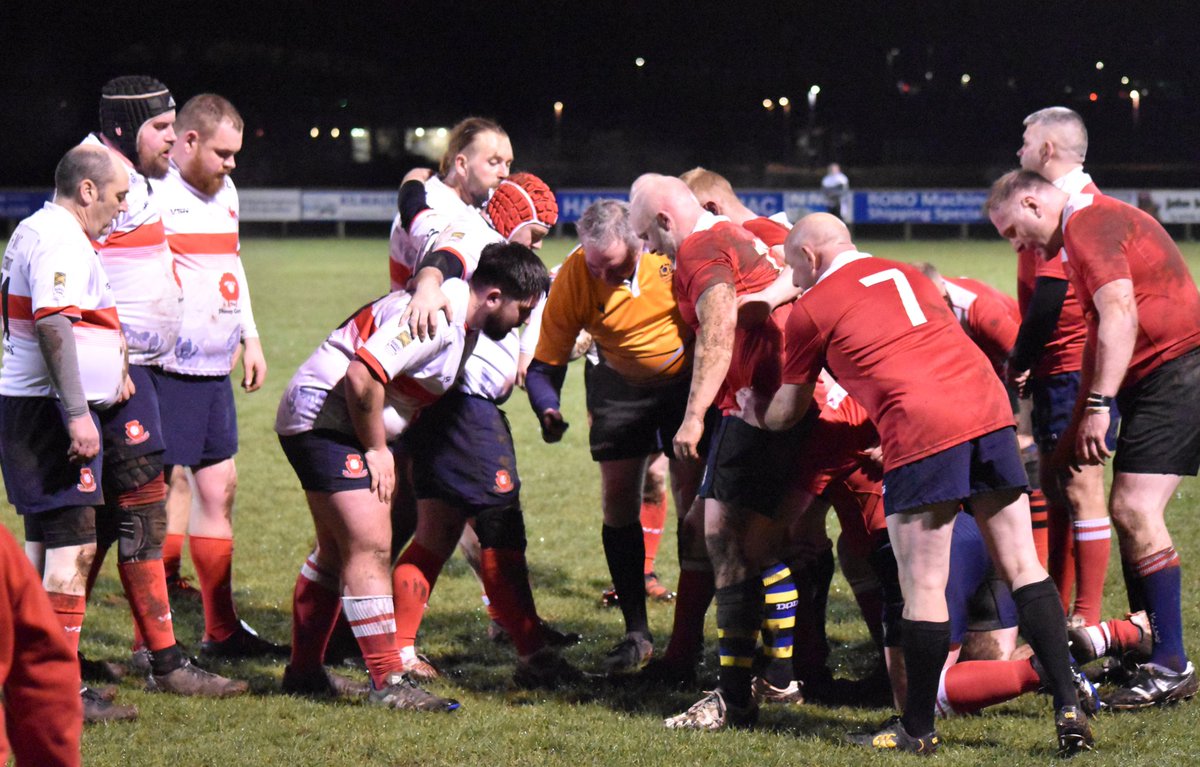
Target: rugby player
1143,313
464,463
137,117
64,361
947,438
636,393
344,406
715,262
199,206
1047,361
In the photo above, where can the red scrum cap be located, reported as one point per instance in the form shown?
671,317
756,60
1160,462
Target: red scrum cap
520,200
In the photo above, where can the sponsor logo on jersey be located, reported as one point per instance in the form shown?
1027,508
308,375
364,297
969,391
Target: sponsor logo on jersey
87,481
356,468
664,271
135,433
402,339
504,483
60,284
229,287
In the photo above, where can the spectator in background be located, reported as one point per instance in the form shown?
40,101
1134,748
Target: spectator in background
836,188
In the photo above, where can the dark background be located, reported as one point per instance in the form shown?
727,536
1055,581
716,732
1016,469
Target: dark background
892,108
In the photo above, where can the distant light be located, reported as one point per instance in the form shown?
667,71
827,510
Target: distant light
815,90
441,132
928,76
768,104
259,133
558,109
965,79
1099,65
783,101
315,132
1135,96
358,133
419,132
334,133
344,103
1093,96
639,62
1124,81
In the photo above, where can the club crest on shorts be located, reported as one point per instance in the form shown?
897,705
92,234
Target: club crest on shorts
87,481
135,433
504,483
356,468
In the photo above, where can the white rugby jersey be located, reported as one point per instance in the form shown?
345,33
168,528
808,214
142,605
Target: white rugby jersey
202,232
50,267
491,370
141,270
416,372
407,248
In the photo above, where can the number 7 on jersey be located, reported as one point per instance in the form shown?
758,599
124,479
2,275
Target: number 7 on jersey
908,299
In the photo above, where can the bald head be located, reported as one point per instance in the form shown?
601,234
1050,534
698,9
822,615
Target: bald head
663,211
812,245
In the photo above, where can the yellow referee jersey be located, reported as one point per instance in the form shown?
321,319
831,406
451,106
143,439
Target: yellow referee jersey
636,326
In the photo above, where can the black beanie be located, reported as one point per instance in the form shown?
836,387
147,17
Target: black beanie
128,102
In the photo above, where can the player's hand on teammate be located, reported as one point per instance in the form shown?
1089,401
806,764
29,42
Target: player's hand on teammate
381,465
553,426
1017,379
1091,447
128,388
753,309
422,312
751,407
687,439
254,365
85,439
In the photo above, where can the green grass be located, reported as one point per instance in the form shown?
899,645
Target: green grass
301,289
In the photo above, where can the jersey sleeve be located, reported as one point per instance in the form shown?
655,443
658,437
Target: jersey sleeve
992,326
392,349
1095,244
249,328
58,278
805,347
704,265
465,244
562,318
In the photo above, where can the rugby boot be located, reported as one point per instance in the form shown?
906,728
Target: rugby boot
629,656
419,667
402,692
181,591
322,683
1074,732
713,712
552,636
1089,696
243,643
893,737
1153,685
97,708
656,591
100,670
191,680
765,692
672,674
546,669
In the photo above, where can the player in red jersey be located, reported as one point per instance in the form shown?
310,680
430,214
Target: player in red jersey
883,331
715,262
1143,314
1046,362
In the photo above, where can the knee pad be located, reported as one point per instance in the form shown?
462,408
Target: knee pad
141,531
129,474
501,528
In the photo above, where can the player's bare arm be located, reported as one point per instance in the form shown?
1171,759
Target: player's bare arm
1113,345
57,343
717,312
755,308
364,401
780,411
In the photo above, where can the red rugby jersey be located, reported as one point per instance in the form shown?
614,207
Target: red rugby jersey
1104,240
721,252
885,333
768,230
989,317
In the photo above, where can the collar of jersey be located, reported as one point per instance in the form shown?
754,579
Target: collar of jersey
708,220
841,259
1074,182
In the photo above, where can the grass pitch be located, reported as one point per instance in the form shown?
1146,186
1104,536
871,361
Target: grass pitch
302,289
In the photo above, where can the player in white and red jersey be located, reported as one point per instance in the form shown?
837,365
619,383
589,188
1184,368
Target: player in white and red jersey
1143,313
137,117
199,205
340,412
64,360
1047,360
884,332
478,157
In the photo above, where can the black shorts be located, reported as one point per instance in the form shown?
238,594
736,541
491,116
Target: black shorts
751,468
981,465
327,461
630,421
1160,420
33,457
133,428
69,526
198,416
462,453
1054,398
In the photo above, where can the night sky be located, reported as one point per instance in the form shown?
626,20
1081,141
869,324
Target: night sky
892,103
